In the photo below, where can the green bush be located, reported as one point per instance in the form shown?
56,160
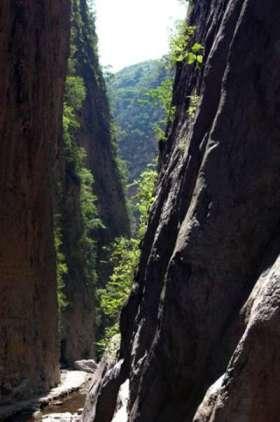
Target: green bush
181,47
125,258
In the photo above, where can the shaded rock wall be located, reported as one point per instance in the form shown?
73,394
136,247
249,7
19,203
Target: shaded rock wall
33,46
213,230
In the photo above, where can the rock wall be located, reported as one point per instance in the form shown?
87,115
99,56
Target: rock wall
194,313
33,47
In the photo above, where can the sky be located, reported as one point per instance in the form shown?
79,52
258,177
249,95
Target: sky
132,31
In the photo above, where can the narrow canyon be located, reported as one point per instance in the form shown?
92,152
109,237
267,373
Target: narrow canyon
155,274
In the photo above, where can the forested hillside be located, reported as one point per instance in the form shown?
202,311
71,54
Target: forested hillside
136,114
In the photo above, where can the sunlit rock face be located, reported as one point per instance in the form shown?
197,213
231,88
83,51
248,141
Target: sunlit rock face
213,232
33,50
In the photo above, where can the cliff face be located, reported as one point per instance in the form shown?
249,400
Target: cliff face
206,297
94,135
33,44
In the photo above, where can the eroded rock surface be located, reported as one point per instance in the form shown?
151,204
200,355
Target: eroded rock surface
211,233
33,48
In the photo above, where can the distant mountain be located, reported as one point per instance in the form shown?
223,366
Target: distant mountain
135,114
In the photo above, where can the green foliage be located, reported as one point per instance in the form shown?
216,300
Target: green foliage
87,198
73,101
61,266
144,199
75,155
141,100
123,172
161,96
181,47
75,92
181,50
83,252
90,221
195,54
125,258
193,104
136,99
135,114
74,97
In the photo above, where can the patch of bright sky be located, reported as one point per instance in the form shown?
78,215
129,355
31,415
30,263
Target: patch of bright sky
132,31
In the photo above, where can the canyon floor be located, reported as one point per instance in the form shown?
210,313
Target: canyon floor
63,403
